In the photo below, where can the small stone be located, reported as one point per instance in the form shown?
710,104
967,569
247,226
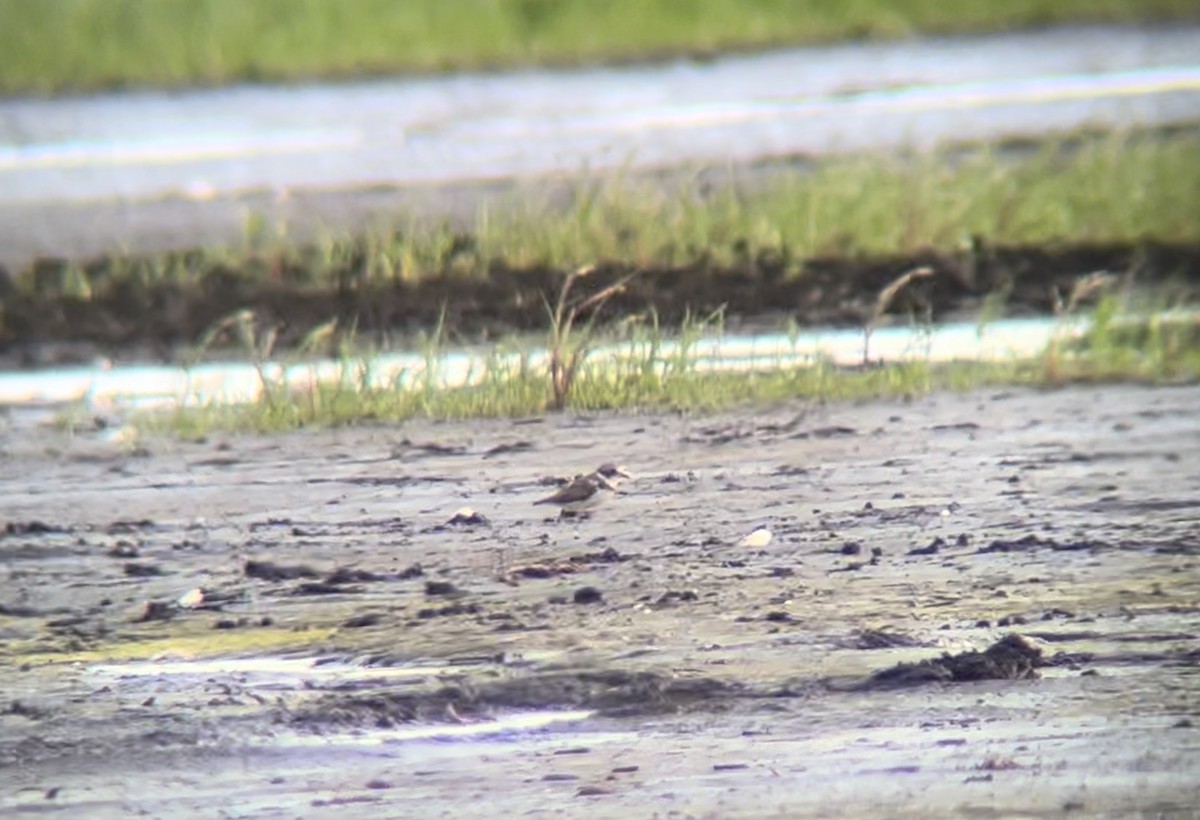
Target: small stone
365,619
465,516
588,595
153,611
440,588
414,571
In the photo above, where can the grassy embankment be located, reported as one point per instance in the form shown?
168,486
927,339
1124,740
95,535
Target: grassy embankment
71,45
1114,188
1106,189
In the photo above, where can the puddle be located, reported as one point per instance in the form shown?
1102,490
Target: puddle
307,667
299,675
263,671
506,728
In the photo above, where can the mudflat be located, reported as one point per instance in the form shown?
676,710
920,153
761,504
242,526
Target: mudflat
310,623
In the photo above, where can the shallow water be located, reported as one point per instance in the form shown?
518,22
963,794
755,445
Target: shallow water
105,385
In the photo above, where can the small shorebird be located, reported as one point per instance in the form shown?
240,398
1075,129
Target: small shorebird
586,492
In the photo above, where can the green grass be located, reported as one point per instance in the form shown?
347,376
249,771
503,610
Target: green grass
189,639
1114,188
1114,349
57,45
595,391
1107,189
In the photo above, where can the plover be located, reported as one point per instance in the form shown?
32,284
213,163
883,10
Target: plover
586,492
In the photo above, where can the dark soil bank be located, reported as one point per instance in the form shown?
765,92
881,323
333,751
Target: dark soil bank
983,605
128,307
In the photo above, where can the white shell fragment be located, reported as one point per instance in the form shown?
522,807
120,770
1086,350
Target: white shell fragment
759,538
191,599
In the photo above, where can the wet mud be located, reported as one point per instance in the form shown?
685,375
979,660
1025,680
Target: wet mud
984,604
46,318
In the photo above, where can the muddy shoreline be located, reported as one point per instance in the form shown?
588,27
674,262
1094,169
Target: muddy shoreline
121,315
274,618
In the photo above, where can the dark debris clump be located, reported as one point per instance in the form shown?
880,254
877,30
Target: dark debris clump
1013,657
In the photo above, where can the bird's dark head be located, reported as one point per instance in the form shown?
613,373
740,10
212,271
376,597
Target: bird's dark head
611,471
